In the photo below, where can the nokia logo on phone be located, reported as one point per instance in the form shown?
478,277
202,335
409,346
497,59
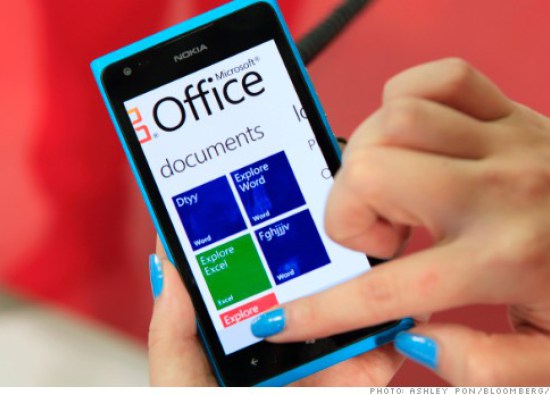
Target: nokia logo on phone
189,53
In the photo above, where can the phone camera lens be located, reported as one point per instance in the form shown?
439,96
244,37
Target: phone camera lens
127,71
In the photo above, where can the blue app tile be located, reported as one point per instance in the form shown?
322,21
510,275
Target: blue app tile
268,188
209,213
292,247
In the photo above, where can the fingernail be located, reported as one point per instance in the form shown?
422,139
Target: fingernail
269,324
156,275
419,348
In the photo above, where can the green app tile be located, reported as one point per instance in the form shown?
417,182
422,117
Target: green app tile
233,272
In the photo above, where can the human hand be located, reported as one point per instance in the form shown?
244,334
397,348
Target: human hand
447,151
176,357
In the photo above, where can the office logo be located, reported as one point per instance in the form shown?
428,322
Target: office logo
204,99
142,131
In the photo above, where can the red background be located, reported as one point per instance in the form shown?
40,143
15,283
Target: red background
74,231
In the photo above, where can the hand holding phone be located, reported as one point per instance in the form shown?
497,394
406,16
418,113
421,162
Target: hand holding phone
176,357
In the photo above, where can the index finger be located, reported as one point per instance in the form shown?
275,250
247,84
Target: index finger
419,284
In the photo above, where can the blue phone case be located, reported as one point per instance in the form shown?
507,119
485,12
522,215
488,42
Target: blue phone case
100,64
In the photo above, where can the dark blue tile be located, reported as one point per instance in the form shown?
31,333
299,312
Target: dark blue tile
268,188
292,247
209,213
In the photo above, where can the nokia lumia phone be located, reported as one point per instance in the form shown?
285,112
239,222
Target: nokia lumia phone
235,159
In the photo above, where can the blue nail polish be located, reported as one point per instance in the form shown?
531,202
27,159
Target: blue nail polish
269,324
419,348
156,275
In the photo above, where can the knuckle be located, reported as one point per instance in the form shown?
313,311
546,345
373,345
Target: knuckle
353,168
520,190
524,183
392,85
378,291
493,178
398,86
399,117
458,73
358,170
520,256
533,183
339,233
455,73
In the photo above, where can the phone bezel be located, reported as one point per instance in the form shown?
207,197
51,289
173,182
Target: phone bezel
155,67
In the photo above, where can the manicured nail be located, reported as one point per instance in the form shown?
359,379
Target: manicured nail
269,324
419,348
156,275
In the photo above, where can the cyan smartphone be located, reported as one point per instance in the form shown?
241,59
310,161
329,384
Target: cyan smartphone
235,159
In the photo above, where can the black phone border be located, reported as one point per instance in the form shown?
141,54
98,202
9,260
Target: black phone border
235,368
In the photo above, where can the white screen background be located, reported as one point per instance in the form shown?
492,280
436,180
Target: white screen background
275,111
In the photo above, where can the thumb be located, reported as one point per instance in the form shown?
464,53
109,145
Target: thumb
175,354
465,357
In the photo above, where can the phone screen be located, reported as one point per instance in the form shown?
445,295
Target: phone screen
245,186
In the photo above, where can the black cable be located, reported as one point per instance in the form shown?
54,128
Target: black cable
323,34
